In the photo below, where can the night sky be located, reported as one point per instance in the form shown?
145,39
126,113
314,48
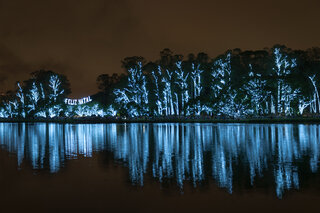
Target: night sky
83,39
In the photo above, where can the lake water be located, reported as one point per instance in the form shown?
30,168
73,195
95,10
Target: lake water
163,167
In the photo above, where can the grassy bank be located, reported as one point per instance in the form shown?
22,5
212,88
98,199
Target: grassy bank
175,119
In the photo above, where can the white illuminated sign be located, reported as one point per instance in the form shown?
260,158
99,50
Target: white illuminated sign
77,101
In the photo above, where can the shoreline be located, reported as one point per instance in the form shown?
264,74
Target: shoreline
96,120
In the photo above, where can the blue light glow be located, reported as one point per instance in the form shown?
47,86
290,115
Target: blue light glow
174,151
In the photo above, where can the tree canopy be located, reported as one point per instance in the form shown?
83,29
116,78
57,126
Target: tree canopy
274,81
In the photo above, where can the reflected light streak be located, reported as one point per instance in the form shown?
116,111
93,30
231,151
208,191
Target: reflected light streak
179,152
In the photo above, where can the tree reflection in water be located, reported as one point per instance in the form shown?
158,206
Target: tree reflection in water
180,152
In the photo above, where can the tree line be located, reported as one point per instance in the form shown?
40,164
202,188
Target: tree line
275,81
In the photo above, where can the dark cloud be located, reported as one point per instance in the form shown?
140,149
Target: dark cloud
84,38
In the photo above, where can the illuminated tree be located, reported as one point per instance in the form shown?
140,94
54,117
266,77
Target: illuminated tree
10,109
285,94
181,95
233,105
41,114
43,95
160,103
167,93
111,111
55,85
224,96
33,97
315,103
68,111
3,113
221,75
197,88
255,88
81,110
54,111
134,97
20,95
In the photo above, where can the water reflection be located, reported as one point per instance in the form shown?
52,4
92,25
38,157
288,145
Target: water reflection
231,154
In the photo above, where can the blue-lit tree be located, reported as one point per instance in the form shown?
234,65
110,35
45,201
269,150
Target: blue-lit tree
314,103
81,110
232,105
55,86
195,76
167,93
111,111
226,100
159,93
10,108
33,97
221,76
21,99
54,111
86,110
43,91
256,91
134,97
181,95
3,113
285,94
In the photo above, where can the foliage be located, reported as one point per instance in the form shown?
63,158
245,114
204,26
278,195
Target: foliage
269,82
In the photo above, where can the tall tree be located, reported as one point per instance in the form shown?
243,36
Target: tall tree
134,97
285,94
